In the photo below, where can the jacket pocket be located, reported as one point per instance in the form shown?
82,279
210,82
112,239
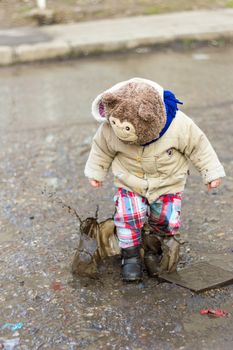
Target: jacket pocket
167,161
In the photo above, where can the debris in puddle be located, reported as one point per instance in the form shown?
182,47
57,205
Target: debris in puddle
50,138
199,277
54,269
215,313
221,234
12,326
56,286
141,285
52,182
9,344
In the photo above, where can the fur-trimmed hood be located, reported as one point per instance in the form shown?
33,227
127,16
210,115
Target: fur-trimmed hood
134,108
97,105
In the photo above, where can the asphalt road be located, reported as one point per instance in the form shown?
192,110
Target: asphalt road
46,130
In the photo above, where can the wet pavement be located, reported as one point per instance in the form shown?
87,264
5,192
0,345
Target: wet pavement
46,129
14,37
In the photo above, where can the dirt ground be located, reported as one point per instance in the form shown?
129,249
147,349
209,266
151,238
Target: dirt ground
15,13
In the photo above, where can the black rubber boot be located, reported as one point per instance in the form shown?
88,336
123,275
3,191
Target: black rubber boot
131,264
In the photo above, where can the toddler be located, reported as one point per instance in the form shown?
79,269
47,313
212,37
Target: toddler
148,143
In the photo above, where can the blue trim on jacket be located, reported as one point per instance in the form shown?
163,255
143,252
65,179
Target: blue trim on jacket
170,102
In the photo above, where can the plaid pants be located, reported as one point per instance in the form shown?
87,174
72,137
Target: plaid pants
132,211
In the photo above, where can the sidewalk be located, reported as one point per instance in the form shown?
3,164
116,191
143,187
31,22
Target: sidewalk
21,45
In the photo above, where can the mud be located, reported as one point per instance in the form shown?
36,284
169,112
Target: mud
98,241
46,130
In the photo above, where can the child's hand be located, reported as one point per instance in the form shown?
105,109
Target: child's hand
214,184
95,183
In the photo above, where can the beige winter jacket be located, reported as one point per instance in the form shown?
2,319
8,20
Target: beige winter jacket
158,168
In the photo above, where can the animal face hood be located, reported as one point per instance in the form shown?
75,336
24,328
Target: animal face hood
134,108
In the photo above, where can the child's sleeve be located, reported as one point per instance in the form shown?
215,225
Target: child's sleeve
196,147
101,155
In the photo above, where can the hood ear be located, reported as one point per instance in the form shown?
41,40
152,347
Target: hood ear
110,99
146,111
109,102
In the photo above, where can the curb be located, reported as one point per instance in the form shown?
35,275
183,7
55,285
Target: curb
55,50
77,40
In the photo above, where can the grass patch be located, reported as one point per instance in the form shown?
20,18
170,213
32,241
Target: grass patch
24,9
152,10
230,3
